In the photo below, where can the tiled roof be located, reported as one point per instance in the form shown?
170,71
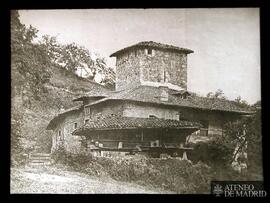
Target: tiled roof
117,122
153,45
96,90
151,94
61,115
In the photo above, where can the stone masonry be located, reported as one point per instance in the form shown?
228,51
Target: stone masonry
151,66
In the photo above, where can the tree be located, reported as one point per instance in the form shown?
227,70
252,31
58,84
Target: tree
16,122
240,142
107,73
254,139
241,102
30,70
29,61
32,65
218,94
246,133
52,47
108,79
210,95
15,138
73,57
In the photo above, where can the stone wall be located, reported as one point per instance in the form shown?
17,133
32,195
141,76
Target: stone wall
127,70
215,120
161,66
71,143
107,108
164,67
144,111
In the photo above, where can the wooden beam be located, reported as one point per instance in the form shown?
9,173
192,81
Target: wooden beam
135,128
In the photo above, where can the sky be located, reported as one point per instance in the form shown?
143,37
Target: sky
226,42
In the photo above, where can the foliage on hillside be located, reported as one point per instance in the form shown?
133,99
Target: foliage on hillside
41,86
29,61
75,59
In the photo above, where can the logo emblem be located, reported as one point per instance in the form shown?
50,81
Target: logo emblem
217,190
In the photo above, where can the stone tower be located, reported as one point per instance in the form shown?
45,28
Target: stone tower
151,63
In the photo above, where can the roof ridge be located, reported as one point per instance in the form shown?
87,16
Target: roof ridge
144,94
153,44
129,90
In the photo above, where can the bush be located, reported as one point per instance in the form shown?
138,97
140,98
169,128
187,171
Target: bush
59,156
18,160
214,153
168,174
171,174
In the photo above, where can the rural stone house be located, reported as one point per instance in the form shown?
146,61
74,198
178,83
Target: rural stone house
150,111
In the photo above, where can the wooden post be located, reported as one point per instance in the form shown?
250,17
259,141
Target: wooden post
184,156
142,135
188,138
162,134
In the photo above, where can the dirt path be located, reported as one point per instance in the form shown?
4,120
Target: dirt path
55,180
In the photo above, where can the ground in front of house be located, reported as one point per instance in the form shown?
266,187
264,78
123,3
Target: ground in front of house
58,180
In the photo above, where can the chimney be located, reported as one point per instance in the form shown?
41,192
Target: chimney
164,95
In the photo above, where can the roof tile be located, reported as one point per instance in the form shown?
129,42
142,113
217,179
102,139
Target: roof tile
118,122
151,94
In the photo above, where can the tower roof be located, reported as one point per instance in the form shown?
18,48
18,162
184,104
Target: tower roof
151,44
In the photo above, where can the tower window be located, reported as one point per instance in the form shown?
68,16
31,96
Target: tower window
164,76
149,52
86,121
75,125
60,135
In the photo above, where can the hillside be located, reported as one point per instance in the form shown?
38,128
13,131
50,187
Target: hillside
43,82
60,90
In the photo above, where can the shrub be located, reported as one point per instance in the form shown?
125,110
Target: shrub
60,156
168,174
18,159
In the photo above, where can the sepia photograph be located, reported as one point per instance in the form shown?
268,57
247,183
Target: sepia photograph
136,101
